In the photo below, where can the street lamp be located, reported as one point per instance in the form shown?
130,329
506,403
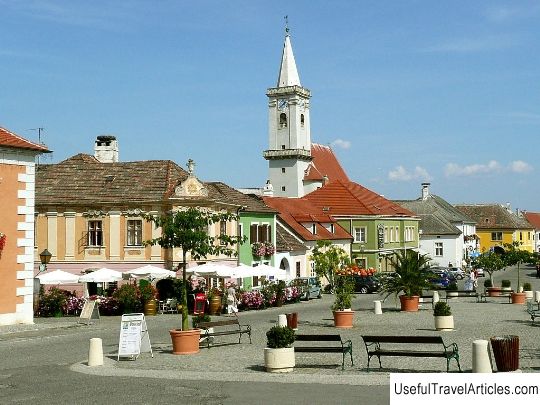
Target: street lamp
45,258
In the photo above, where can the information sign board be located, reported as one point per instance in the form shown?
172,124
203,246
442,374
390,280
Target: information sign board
134,337
89,311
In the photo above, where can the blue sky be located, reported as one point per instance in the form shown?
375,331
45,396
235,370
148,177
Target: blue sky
404,91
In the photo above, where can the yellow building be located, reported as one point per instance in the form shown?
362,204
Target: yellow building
497,225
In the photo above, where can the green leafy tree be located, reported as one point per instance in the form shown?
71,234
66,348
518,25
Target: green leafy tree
187,229
490,262
327,259
515,256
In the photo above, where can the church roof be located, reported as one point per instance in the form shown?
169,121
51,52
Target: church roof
288,73
324,163
10,140
346,198
296,212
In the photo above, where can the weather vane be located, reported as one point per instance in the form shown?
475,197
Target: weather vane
286,24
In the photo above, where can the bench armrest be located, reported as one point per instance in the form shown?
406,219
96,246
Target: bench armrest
454,347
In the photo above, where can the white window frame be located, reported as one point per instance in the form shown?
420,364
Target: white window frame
93,233
133,233
360,234
439,249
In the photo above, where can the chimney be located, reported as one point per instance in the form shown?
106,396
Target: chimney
268,189
325,180
425,190
106,149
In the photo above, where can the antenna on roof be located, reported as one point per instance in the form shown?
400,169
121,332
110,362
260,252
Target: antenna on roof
39,129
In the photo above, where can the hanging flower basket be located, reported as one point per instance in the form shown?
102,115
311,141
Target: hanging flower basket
260,249
3,239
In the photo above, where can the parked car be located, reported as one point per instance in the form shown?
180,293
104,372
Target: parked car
310,287
458,273
440,277
479,272
366,284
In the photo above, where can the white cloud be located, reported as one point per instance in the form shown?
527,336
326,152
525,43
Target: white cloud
340,143
402,174
492,167
520,166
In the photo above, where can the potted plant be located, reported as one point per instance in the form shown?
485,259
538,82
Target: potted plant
451,290
410,277
280,292
490,289
506,285
148,293
278,354
527,289
126,295
343,292
187,229
444,319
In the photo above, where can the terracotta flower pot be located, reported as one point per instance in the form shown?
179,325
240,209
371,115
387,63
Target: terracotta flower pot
409,304
343,319
519,298
493,291
185,341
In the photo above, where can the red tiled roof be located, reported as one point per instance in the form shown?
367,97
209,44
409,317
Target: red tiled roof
349,198
297,211
324,163
533,218
11,140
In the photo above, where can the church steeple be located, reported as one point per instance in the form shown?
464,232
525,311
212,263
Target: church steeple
289,148
288,74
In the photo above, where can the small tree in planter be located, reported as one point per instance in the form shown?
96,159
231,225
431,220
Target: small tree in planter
451,289
188,229
506,284
343,291
443,316
327,259
279,355
527,289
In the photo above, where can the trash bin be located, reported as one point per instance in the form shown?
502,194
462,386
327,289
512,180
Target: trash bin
506,352
292,320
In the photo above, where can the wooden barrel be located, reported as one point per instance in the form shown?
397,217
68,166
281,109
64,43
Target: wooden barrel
215,305
506,352
150,308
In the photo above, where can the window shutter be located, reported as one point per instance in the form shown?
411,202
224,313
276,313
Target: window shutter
253,233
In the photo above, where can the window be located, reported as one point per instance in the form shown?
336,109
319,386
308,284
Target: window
302,120
282,188
386,234
314,229
391,231
134,232
223,230
95,233
360,234
332,228
438,249
282,170
397,233
260,233
409,233
297,269
497,236
521,236
361,262
312,270
283,120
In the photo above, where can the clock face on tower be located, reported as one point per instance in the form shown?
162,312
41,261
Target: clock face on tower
282,104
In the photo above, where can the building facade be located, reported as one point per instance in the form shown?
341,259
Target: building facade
17,198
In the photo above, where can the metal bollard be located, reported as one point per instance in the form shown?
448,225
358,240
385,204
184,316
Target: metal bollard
378,307
95,353
537,296
481,359
436,298
282,320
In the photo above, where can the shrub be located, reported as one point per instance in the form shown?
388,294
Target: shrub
53,302
199,318
527,287
127,297
442,309
279,336
506,283
452,286
488,283
147,292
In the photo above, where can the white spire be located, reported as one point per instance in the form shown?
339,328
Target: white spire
288,74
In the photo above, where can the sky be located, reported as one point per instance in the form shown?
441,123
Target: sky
405,92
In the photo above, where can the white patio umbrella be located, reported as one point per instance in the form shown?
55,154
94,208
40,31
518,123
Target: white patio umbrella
103,275
243,270
212,270
271,271
58,277
152,272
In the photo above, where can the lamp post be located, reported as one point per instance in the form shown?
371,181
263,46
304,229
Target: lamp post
45,258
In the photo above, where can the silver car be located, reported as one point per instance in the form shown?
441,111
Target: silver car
310,287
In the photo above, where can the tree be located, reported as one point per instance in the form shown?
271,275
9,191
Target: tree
411,274
490,262
327,259
515,256
188,229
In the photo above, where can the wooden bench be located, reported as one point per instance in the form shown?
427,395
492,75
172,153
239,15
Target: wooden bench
398,347
221,328
344,347
460,293
503,294
533,309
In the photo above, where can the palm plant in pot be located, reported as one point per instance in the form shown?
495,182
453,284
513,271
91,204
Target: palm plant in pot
187,229
410,277
444,319
279,353
343,294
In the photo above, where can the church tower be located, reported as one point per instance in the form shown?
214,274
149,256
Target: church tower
289,151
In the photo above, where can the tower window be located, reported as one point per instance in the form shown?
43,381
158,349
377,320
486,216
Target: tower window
283,120
302,119
282,170
282,188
